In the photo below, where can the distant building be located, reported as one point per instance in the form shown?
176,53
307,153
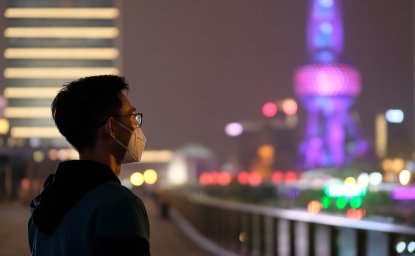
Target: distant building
49,43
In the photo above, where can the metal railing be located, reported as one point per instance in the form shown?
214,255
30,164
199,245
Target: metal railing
249,229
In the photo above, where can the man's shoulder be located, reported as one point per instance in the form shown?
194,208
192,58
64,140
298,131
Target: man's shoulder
113,188
113,192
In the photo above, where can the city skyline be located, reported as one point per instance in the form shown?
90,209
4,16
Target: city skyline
194,67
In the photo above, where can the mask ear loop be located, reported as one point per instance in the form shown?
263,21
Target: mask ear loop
108,129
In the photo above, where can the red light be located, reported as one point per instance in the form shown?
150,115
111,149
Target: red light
277,177
224,179
255,179
269,109
357,214
243,177
206,179
291,176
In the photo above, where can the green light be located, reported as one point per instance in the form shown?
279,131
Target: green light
341,202
326,202
348,190
356,202
326,190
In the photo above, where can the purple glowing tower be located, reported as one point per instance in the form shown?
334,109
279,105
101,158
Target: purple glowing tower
327,86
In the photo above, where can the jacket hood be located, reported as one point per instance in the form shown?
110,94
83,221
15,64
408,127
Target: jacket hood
61,190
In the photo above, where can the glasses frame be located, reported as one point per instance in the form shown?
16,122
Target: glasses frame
138,117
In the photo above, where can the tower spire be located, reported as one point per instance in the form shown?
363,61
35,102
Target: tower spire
327,87
325,30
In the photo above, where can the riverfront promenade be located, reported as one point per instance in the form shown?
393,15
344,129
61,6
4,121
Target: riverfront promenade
166,237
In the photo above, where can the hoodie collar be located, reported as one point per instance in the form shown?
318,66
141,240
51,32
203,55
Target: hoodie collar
61,190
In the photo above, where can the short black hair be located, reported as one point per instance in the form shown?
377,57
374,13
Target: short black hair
84,105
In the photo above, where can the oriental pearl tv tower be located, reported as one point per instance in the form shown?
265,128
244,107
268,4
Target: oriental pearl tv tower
327,86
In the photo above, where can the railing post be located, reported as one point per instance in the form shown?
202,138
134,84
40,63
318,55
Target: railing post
334,237
311,239
258,235
291,224
361,242
391,243
245,235
270,236
234,231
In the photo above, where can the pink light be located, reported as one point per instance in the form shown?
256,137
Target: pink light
25,183
277,177
269,109
234,129
289,107
327,80
403,193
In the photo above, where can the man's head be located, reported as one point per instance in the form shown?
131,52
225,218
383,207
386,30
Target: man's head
83,106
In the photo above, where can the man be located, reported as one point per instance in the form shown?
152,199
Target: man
83,209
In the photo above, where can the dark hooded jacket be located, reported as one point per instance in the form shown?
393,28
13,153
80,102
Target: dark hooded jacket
84,210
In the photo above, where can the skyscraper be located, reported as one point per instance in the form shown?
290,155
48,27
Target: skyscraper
49,43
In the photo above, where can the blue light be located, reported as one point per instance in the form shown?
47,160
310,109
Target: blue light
394,116
326,27
325,56
326,3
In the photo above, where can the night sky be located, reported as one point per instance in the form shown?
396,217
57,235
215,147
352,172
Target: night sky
194,66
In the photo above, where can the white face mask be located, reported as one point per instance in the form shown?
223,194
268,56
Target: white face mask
135,147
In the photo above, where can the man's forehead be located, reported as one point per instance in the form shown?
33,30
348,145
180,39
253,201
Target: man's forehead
126,104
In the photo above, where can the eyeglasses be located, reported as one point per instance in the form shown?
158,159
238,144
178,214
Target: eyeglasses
137,116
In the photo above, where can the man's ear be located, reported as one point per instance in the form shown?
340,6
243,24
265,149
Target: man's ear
108,127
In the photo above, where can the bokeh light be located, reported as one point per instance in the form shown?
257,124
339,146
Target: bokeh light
234,129
224,178
277,177
137,179
205,179
341,202
266,151
411,247
269,109
255,179
400,247
53,154
291,177
356,214
404,177
314,206
243,177
4,126
38,156
363,179
356,202
289,107
375,178
394,116
150,176
326,202
350,180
